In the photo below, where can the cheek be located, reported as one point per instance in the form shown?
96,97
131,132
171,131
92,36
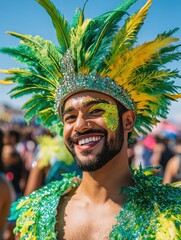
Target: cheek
66,133
111,117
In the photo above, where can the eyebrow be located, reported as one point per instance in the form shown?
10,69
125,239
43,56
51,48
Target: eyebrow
86,104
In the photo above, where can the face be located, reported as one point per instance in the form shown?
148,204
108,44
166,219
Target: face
93,131
7,152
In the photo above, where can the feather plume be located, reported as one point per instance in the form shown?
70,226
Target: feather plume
76,18
77,41
126,36
108,25
102,47
137,57
39,48
5,82
28,89
60,23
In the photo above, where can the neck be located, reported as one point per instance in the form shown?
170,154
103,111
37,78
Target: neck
105,183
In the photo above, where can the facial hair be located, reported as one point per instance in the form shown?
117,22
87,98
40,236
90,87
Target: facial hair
109,150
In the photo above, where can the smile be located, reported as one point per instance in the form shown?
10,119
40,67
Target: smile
86,140
89,140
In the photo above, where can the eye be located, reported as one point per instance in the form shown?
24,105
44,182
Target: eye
69,118
97,111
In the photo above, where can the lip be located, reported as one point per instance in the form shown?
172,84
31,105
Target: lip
88,146
76,139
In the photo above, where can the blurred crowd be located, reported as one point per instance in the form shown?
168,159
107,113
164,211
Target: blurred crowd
17,146
30,157
160,149
19,175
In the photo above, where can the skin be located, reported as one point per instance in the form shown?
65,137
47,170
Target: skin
7,195
88,212
172,167
35,179
155,159
9,160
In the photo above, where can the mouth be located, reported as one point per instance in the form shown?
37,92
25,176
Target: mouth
87,141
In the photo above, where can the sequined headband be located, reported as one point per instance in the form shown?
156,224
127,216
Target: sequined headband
73,83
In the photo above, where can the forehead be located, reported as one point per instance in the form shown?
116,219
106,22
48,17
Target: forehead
78,99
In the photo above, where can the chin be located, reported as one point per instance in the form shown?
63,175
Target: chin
91,163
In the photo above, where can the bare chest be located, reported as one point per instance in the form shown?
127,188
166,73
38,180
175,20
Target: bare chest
90,223
84,231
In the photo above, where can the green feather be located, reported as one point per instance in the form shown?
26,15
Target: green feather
32,111
28,89
23,76
40,48
27,57
76,17
127,35
49,118
60,23
107,26
44,100
46,114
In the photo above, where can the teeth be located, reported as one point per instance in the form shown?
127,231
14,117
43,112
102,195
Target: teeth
88,140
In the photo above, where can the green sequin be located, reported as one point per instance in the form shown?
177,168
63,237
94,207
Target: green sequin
110,115
151,211
35,214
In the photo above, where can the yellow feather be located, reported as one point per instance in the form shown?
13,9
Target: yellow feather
175,96
76,37
137,57
5,71
5,82
144,98
128,32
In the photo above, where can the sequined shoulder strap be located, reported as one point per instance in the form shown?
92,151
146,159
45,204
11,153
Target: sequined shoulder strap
36,213
152,210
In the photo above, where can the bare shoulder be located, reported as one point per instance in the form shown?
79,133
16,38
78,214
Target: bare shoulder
173,162
6,189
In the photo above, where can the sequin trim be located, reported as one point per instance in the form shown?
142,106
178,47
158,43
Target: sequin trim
73,83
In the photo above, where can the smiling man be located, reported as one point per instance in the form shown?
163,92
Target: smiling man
93,131
96,89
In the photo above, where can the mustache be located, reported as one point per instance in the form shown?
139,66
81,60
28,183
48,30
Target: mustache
78,134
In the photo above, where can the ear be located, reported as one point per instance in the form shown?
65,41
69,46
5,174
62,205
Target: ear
128,121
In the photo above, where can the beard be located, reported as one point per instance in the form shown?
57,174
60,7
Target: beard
109,150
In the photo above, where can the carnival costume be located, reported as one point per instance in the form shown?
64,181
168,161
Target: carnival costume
99,55
151,211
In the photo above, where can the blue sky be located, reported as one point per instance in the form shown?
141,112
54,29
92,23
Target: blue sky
28,17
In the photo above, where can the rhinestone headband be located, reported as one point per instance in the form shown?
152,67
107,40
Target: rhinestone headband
73,83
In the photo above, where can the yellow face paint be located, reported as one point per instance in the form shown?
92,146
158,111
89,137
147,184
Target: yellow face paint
110,115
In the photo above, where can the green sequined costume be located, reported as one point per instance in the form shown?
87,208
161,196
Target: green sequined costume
151,210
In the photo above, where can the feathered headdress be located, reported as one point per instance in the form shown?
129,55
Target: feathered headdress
96,54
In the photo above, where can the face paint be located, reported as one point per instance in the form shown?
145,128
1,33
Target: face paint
110,114
103,114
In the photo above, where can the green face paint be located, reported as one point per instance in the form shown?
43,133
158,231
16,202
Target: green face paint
110,115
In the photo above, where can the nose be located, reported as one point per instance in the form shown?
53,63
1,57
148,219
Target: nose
82,124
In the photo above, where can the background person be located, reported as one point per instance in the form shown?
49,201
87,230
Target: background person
13,168
7,196
173,168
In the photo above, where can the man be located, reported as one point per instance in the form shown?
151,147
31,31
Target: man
100,152
92,88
